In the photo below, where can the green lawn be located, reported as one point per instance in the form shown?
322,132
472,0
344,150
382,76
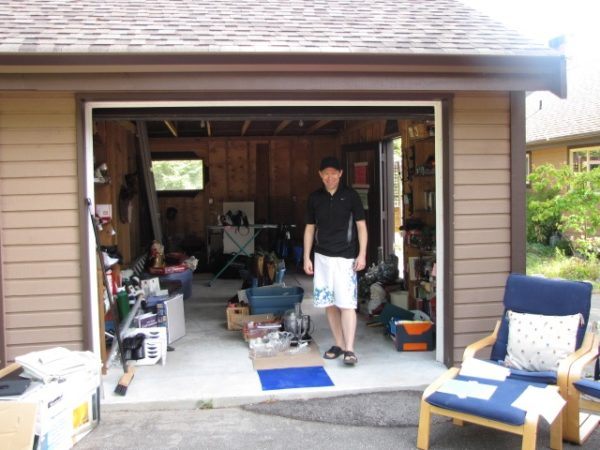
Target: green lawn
547,261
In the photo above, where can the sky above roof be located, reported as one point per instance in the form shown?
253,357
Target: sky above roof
202,26
547,19
548,116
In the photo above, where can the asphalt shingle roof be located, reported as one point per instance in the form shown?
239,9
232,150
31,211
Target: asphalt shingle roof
303,26
575,116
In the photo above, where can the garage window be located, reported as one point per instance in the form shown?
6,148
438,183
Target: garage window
177,173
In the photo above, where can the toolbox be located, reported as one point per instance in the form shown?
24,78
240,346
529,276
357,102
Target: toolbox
412,335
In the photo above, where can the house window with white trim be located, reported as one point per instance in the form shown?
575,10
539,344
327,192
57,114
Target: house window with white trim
584,159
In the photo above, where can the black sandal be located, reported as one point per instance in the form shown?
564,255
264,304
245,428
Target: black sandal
333,352
350,358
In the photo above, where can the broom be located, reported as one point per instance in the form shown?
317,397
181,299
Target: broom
128,372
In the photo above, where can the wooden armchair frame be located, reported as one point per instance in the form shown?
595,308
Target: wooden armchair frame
579,425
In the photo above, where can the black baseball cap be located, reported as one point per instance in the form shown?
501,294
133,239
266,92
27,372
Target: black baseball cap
330,161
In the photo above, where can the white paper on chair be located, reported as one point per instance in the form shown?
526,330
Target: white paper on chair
473,367
546,402
464,389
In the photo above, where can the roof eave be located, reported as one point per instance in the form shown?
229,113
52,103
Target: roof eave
550,67
570,140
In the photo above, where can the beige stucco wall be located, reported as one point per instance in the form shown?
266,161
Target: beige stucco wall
40,228
557,156
482,199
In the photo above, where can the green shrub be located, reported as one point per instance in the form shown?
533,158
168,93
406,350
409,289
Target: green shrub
561,201
554,263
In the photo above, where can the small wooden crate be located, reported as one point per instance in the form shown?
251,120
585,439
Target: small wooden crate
235,317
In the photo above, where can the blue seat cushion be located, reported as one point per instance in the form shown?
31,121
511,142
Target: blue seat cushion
589,387
497,408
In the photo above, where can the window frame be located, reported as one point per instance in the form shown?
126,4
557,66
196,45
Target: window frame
179,156
588,150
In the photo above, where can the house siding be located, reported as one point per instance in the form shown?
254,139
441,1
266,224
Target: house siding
557,156
482,199
41,266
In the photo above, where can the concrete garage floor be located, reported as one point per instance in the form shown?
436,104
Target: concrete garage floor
210,367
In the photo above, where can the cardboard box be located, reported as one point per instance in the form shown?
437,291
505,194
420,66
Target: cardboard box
412,335
66,411
146,320
235,317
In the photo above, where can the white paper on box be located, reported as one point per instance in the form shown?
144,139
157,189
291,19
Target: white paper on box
56,363
464,389
473,367
546,402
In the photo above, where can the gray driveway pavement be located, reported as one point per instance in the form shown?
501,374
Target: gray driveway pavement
384,420
365,421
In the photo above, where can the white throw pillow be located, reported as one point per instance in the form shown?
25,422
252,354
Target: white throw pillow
537,342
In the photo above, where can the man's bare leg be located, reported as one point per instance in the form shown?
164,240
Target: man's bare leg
334,317
348,326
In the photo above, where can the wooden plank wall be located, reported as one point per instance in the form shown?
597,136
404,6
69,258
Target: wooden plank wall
276,173
114,144
481,213
40,226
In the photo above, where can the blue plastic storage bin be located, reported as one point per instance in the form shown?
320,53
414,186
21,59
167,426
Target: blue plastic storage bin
273,300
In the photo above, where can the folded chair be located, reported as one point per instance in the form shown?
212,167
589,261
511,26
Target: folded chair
565,305
583,398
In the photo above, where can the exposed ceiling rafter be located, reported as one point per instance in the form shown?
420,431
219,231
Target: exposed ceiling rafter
172,127
316,126
245,127
281,126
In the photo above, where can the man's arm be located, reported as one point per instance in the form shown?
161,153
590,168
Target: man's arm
309,236
361,259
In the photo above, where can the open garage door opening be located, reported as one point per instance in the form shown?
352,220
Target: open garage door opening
196,195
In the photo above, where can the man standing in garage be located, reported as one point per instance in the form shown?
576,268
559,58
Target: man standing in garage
336,225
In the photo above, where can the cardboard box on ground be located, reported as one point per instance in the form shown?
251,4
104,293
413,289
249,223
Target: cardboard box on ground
58,408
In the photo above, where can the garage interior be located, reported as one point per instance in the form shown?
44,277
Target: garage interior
270,157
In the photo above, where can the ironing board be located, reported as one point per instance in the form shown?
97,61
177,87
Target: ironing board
253,231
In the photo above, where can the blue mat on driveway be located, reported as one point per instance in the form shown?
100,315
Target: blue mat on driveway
294,377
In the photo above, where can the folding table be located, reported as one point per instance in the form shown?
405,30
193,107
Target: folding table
253,231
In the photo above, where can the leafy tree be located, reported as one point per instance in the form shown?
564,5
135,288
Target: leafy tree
568,202
177,175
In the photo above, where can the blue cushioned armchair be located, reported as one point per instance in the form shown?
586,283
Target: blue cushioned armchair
552,297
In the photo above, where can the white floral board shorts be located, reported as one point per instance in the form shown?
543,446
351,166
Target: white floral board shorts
334,282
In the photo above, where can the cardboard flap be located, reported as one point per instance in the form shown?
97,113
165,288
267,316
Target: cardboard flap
17,423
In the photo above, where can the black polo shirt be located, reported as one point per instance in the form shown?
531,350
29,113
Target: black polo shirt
335,217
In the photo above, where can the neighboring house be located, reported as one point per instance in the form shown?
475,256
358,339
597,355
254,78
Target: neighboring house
567,130
61,66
